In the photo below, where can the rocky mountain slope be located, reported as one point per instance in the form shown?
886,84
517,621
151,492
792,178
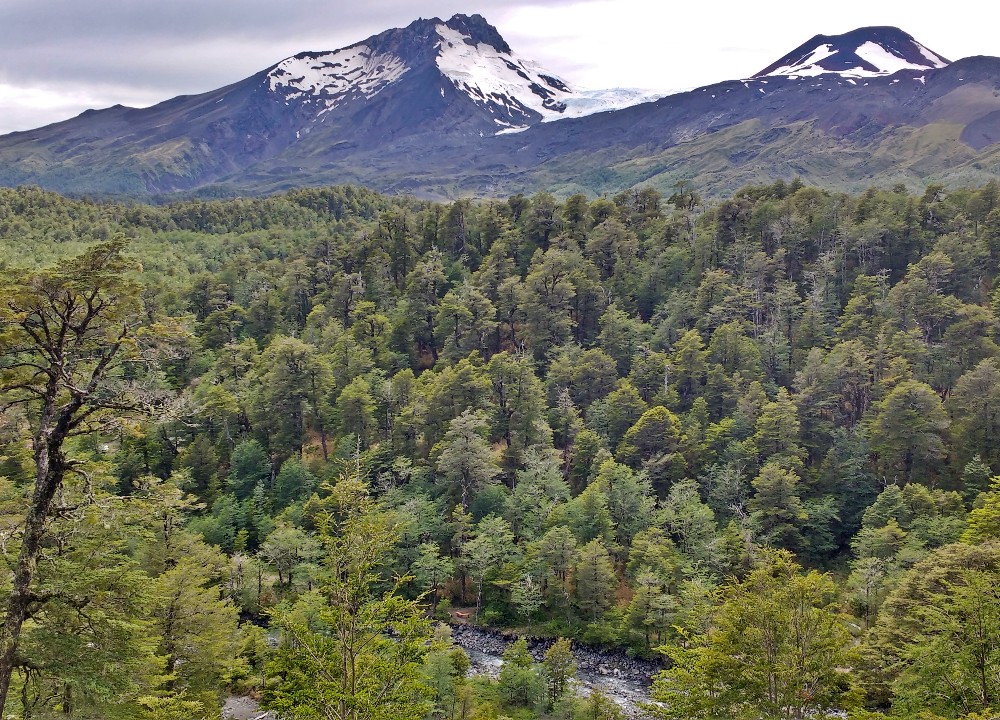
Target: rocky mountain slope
443,109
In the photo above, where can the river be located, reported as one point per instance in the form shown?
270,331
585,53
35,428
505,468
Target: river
624,679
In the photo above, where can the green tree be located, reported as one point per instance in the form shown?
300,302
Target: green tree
630,500
520,682
937,639
466,459
654,442
66,336
293,483
249,466
353,649
90,646
777,434
539,488
559,667
424,287
293,384
431,571
467,320
908,432
595,581
777,508
285,548
488,551
984,519
526,596
974,406
518,404
690,365
199,635
355,411
776,649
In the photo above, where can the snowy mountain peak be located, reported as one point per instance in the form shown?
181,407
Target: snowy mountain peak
470,57
862,53
477,30
516,91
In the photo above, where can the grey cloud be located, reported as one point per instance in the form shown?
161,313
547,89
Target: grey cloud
170,44
141,51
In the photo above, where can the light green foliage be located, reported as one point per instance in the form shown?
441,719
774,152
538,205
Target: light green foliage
467,322
559,667
907,432
526,597
286,548
654,443
465,459
984,519
355,411
615,414
935,641
690,523
595,581
630,500
776,507
775,648
488,551
777,434
539,488
521,682
431,571
336,659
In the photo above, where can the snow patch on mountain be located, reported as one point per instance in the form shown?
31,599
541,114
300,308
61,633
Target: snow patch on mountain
515,88
330,78
499,80
809,66
889,63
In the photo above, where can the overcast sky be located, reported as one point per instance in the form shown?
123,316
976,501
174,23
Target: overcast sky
60,57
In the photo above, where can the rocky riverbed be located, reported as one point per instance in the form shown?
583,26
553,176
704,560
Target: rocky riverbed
624,679
240,707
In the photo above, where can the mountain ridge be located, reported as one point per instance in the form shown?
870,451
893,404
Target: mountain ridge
447,108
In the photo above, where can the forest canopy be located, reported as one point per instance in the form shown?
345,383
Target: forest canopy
655,423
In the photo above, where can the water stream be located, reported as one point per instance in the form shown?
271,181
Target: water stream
624,679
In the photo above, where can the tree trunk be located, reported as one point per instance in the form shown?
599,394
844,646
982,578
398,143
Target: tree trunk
50,469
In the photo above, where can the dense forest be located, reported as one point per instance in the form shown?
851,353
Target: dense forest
257,446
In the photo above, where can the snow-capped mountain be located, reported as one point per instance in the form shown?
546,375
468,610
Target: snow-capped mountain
863,53
446,108
471,58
